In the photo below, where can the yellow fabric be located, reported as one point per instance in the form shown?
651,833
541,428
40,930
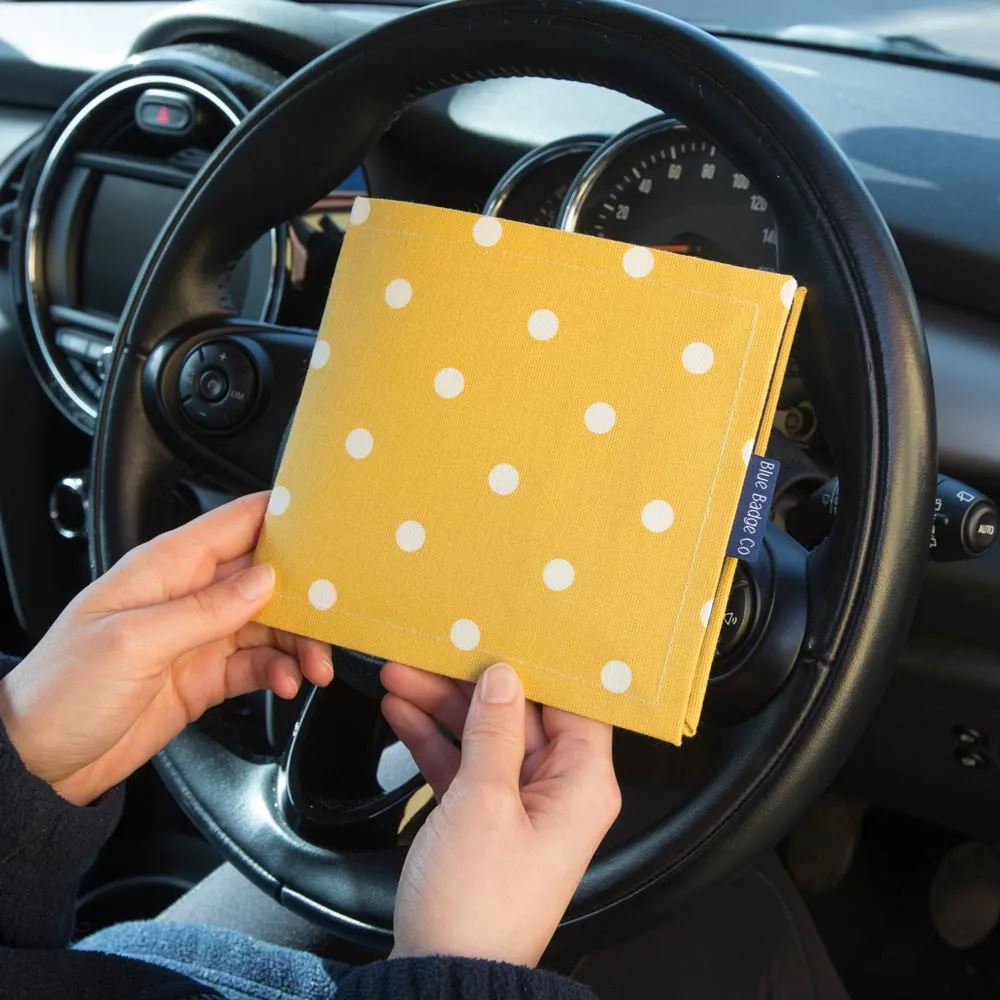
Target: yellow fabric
456,349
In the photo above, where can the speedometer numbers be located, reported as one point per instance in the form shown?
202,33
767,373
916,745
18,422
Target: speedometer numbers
664,186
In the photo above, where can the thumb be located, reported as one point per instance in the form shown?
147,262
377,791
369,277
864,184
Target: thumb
218,610
493,739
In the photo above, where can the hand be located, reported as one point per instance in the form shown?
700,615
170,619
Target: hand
522,808
147,648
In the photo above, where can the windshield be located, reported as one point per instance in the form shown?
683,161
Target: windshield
955,28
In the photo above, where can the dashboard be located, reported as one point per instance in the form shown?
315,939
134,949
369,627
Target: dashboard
98,142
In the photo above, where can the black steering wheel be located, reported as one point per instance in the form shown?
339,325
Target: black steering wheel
787,711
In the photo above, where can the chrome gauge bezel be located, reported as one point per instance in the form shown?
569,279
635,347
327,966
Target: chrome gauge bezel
74,403
593,171
534,160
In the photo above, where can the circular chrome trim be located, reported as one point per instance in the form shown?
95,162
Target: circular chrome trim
535,158
32,265
592,171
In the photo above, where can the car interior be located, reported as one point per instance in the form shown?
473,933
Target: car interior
175,182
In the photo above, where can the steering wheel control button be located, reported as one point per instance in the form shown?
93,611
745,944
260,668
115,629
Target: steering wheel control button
212,385
740,612
218,386
165,112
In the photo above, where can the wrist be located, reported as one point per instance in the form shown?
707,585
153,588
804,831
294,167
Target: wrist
20,728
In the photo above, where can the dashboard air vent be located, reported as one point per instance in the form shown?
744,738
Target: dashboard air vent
11,177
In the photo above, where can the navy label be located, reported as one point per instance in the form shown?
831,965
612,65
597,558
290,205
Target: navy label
747,537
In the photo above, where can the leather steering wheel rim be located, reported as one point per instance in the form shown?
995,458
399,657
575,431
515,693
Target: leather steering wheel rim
864,359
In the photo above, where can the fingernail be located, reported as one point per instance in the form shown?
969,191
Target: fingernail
296,682
328,670
255,582
499,685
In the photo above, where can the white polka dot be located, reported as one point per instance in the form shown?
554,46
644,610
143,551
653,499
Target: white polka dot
410,536
322,595
465,634
599,417
706,612
320,354
397,293
558,574
359,443
747,451
616,676
637,261
788,290
360,210
487,231
504,479
543,324
280,499
657,515
449,382
697,358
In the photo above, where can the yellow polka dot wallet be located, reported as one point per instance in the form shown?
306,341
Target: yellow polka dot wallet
522,444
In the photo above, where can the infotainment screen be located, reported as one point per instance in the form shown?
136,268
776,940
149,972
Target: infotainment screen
125,217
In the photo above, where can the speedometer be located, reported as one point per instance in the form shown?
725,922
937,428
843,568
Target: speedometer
663,185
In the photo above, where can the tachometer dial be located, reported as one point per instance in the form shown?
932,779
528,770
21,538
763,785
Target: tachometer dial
534,187
663,185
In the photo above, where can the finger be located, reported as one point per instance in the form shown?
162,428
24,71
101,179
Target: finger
558,723
284,677
448,700
205,616
222,534
259,669
437,758
315,659
535,737
579,774
438,696
493,739
185,560
227,569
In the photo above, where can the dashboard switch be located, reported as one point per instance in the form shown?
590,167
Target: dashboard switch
166,112
218,386
973,760
966,736
965,521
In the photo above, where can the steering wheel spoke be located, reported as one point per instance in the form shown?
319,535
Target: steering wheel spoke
345,780
763,630
222,393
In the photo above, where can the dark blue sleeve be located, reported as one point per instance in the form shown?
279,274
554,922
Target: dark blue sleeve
455,979
46,844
